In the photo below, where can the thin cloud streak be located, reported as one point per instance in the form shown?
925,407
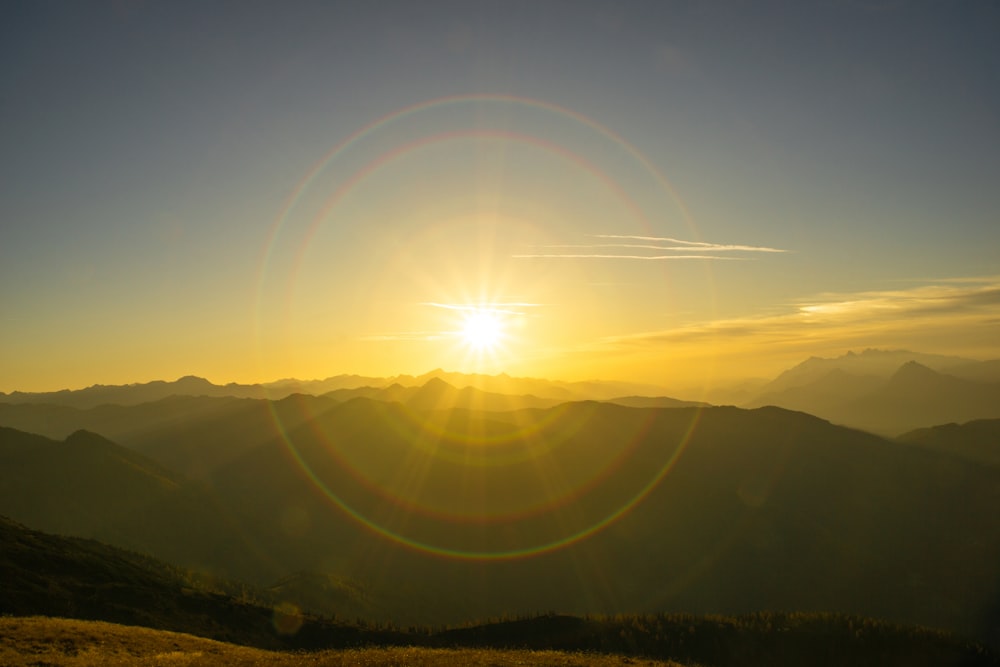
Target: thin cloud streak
699,248
694,244
603,256
679,246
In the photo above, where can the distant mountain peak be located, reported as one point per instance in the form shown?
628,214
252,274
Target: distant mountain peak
193,380
437,384
913,370
83,436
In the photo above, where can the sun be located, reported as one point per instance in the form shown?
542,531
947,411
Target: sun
482,330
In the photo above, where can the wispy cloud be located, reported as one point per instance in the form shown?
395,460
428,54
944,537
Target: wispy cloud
655,243
956,310
620,256
714,247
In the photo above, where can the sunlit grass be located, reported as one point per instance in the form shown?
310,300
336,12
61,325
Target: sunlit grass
72,643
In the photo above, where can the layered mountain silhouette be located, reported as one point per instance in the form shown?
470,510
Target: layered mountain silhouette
977,440
194,435
88,486
444,497
134,394
888,392
583,507
856,389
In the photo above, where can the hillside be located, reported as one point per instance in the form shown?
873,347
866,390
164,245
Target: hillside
90,487
586,507
977,441
192,435
196,435
74,578
83,579
28,642
718,509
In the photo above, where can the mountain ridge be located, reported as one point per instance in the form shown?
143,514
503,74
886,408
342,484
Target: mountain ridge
136,393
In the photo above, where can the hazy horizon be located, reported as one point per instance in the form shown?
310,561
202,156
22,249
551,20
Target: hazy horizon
735,381
674,194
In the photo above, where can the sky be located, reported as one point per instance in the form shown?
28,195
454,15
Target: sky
676,193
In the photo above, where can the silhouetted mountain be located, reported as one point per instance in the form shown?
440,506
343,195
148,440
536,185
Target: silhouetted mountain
976,440
547,389
822,396
654,402
190,435
133,394
758,509
76,578
913,395
118,422
342,387
583,507
197,446
871,362
916,396
437,394
281,388
90,487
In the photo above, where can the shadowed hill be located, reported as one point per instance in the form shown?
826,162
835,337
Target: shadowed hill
76,578
187,434
195,435
83,579
977,440
121,423
90,487
583,507
763,508
655,402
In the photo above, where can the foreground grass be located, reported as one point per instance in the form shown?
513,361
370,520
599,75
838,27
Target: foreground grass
56,642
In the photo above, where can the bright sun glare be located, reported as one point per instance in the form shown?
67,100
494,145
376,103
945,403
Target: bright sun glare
482,329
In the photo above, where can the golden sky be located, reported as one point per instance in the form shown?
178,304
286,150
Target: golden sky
668,194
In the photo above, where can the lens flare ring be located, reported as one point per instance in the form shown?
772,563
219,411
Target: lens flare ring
437,440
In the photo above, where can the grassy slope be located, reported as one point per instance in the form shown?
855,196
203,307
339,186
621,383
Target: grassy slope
70,643
55,576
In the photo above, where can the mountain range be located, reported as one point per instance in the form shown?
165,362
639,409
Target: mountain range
134,394
888,392
434,503
446,515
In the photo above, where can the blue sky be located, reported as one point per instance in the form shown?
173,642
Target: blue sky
149,152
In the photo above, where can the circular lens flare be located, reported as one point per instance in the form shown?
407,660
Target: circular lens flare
563,509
